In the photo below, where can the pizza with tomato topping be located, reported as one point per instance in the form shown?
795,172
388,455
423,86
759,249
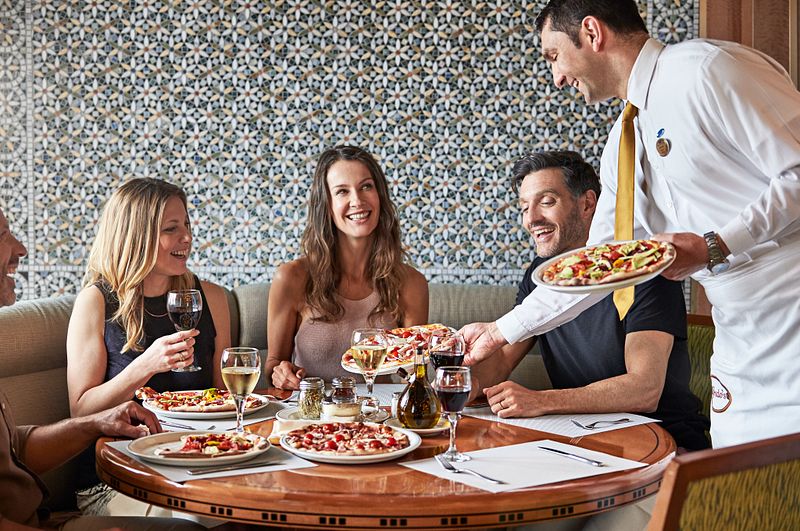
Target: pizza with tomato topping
205,401
607,263
403,343
215,445
347,438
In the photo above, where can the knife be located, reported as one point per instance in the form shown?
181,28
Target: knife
212,469
573,456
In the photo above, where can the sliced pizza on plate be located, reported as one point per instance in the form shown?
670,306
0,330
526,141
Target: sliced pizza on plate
350,442
214,445
210,400
609,264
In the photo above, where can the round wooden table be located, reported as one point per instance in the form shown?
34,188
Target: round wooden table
389,496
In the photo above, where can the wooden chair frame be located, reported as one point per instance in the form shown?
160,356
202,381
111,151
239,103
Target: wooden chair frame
707,463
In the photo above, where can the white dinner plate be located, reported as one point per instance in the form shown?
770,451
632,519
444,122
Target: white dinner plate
441,426
146,447
202,415
293,413
599,288
413,439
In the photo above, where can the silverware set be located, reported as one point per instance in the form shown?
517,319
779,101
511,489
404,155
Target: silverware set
224,468
447,465
600,423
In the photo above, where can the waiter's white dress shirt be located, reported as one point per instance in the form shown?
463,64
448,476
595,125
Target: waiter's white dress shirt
731,117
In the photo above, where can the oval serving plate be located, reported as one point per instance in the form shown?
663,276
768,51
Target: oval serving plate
146,447
414,441
205,415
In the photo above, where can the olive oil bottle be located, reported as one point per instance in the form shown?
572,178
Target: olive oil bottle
419,408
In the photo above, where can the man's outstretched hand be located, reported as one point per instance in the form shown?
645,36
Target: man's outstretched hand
482,339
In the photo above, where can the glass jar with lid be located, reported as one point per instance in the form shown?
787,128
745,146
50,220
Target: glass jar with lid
344,390
312,390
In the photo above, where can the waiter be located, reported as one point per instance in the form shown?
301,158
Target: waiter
714,154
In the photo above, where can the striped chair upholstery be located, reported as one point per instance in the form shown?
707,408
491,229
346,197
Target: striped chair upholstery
700,343
754,486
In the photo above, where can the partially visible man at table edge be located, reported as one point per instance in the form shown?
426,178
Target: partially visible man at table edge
718,154
596,363
26,451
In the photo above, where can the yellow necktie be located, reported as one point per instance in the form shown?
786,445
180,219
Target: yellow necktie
623,222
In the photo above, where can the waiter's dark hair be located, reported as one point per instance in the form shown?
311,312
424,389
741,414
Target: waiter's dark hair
566,16
579,175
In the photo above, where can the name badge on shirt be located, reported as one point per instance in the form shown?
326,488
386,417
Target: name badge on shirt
663,145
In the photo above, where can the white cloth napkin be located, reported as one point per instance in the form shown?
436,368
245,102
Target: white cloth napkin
281,459
562,424
526,465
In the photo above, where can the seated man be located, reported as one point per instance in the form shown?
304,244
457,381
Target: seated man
596,362
26,451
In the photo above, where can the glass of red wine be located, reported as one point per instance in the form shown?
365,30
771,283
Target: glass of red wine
452,385
447,350
184,307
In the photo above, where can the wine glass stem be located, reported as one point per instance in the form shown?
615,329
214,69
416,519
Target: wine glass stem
240,403
453,418
370,383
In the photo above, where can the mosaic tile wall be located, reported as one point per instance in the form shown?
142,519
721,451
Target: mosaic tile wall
234,100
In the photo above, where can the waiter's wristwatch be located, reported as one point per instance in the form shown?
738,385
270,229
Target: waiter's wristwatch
717,263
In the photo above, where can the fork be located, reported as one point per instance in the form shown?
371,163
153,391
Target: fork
600,423
450,468
211,427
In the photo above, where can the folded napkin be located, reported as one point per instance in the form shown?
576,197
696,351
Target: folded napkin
526,465
275,459
562,424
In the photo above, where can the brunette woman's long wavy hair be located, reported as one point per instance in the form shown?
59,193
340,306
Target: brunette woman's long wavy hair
126,249
320,239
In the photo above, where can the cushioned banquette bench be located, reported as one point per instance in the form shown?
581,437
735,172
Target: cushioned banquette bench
33,350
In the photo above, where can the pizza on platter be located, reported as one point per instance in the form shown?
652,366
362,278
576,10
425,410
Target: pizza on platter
402,344
347,438
215,445
608,263
205,401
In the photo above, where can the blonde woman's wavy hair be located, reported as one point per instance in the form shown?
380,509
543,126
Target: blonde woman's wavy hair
319,243
126,249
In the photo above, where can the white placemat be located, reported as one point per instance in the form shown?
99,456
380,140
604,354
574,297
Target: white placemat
526,465
280,459
562,424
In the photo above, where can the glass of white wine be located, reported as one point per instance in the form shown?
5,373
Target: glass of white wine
241,368
369,351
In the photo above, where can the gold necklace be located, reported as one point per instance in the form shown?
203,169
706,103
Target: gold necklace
154,315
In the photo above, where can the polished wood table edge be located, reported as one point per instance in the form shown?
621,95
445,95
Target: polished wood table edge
476,508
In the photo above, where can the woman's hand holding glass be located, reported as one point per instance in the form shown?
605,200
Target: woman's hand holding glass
168,353
185,307
241,368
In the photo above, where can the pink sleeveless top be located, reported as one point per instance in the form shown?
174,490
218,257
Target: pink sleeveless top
318,346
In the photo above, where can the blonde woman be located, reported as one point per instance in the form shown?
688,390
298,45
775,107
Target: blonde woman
351,273
120,337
